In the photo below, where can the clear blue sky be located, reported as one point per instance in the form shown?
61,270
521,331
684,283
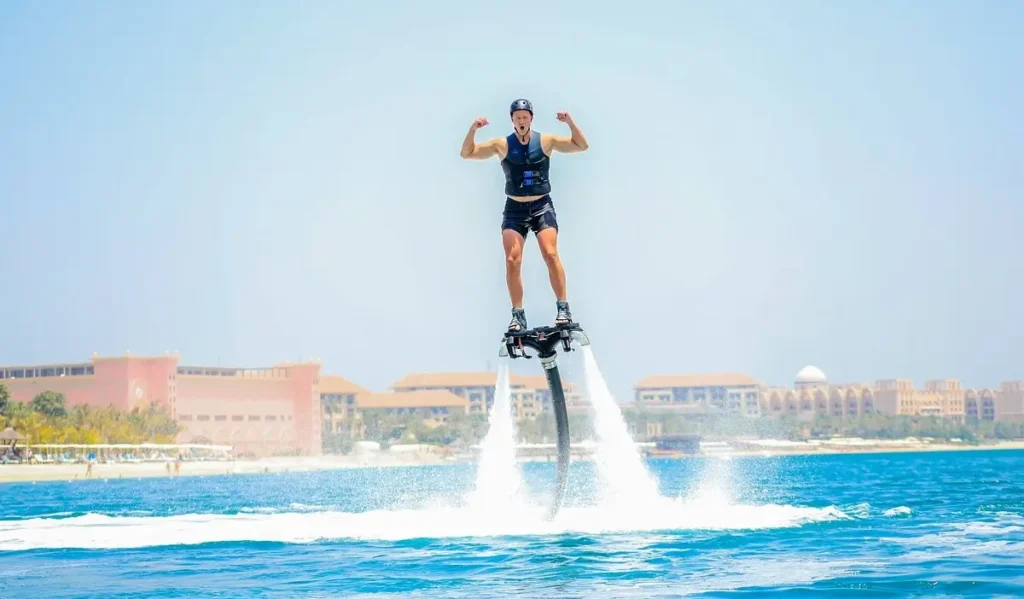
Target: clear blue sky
768,185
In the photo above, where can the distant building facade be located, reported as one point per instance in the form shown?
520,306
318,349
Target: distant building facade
531,396
1007,404
259,411
700,394
812,394
433,407
338,404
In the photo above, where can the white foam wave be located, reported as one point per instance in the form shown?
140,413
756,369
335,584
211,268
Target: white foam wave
897,511
96,531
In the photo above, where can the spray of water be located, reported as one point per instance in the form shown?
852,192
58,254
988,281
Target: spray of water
100,531
498,480
625,481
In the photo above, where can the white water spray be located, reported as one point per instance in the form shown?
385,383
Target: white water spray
625,482
498,480
100,531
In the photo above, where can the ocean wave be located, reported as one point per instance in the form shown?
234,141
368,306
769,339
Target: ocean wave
863,510
1001,537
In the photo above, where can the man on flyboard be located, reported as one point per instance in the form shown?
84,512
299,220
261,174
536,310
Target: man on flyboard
525,157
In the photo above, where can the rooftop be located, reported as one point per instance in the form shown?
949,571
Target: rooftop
446,379
330,383
411,399
666,381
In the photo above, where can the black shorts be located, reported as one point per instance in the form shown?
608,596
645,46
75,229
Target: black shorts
523,217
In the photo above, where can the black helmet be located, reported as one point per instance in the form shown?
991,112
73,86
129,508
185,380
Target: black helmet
521,104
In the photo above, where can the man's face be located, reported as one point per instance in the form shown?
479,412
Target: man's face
521,120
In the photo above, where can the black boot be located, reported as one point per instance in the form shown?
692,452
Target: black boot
564,316
518,323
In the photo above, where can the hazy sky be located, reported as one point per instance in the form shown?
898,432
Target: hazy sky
769,185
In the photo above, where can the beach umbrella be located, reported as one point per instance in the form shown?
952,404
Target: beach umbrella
9,434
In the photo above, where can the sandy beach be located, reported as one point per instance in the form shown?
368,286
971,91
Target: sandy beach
772,449
10,473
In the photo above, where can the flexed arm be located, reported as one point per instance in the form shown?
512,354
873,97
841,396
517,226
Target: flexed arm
474,151
569,144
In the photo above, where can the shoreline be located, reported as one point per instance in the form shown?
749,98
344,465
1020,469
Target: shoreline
825,449
32,473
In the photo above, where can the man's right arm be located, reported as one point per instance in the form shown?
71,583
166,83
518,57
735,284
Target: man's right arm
474,151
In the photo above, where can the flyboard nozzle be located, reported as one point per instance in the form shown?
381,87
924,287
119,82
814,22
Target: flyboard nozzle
549,362
579,337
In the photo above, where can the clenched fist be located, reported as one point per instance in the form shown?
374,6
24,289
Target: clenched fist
479,123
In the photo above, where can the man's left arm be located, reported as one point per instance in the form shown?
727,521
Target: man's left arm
569,144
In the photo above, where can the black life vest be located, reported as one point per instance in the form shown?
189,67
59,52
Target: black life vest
526,167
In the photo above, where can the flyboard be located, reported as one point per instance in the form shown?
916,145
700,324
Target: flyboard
545,341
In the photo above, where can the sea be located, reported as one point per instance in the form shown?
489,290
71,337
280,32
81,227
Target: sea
921,524
930,524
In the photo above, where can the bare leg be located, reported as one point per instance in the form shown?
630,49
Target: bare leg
547,239
513,243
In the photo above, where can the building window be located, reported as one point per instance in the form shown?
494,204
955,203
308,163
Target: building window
237,418
203,417
185,418
220,418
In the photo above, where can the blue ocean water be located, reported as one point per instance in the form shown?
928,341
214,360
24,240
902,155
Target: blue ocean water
939,524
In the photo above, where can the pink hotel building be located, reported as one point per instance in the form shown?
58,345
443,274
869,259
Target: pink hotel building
259,411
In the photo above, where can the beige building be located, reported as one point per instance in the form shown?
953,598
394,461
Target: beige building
943,398
700,394
435,407
1008,404
530,394
475,387
538,383
436,396
338,403
812,394
980,404
432,396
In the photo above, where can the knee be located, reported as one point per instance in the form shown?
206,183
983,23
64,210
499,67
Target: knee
514,259
550,255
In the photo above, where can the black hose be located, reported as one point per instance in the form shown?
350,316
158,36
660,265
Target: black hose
562,430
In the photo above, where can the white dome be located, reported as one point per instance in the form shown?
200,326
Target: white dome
811,374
